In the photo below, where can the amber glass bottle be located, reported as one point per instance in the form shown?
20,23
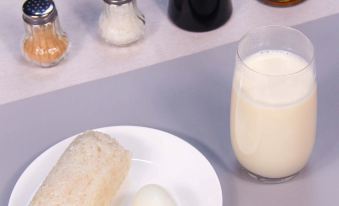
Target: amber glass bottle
282,2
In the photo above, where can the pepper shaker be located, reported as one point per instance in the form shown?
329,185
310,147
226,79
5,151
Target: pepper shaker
45,43
121,22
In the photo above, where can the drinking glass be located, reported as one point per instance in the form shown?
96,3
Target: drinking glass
274,103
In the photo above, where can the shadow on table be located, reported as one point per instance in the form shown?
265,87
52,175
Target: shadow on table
87,13
225,174
10,183
12,36
326,148
162,4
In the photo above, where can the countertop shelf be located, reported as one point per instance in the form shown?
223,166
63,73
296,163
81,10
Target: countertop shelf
90,59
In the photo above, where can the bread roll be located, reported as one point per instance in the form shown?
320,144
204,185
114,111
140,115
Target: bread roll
89,173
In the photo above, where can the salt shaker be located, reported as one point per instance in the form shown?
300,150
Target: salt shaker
121,22
45,43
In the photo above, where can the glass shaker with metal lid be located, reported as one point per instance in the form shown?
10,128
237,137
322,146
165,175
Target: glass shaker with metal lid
121,22
45,43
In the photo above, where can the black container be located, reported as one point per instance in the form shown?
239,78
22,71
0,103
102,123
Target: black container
199,15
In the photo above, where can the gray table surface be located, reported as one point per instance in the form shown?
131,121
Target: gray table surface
188,97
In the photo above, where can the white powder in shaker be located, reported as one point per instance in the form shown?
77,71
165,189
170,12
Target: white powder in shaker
120,25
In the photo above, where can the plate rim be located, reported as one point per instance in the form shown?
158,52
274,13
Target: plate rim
102,129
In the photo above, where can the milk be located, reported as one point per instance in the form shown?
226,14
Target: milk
273,113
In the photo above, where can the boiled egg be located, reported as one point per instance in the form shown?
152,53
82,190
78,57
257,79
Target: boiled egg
153,195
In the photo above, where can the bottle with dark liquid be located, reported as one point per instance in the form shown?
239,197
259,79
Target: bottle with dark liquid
199,15
282,2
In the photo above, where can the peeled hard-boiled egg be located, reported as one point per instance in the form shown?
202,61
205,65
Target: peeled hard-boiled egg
153,195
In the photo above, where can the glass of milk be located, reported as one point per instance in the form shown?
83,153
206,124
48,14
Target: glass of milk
274,103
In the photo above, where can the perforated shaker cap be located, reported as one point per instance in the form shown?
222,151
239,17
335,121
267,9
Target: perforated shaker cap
118,2
39,12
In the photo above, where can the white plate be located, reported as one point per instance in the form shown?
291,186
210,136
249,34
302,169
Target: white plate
158,157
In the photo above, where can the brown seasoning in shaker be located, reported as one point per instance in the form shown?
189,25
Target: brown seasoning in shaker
45,43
